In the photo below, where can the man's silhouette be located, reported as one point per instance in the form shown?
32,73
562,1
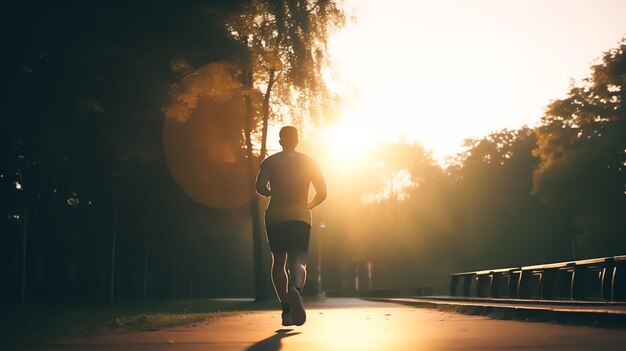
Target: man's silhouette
285,177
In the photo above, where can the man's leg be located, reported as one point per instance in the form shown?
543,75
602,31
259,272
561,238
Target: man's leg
297,268
279,275
297,274
280,281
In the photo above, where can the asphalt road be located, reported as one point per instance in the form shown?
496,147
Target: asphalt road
352,324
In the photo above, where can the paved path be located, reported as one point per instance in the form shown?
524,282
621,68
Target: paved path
351,324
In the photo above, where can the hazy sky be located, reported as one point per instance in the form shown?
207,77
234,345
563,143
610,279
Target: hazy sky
442,71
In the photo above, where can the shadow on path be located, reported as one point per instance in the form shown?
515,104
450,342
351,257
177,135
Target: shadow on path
273,342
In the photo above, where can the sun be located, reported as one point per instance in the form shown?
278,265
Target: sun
348,139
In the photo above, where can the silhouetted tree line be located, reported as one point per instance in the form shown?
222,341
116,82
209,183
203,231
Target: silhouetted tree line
83,87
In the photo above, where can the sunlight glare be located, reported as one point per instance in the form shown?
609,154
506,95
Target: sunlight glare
440,72
348,139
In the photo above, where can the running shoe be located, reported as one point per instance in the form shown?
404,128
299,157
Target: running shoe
297,307
287,320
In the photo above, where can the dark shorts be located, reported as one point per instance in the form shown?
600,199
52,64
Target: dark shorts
286,236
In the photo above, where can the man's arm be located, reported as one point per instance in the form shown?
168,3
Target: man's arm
262,181
319,184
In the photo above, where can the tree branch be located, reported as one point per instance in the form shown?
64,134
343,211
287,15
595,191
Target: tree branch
317,4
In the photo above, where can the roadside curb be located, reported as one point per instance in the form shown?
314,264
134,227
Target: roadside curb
521,312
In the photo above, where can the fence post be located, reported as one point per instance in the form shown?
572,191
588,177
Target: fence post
454,281
467,284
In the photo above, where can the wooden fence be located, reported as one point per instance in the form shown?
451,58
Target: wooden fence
601,279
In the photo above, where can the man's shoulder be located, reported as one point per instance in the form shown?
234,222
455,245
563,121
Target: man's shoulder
288,155
271,158
285,158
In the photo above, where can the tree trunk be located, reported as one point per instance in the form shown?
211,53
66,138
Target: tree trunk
113,243
260,291
25,189
266,112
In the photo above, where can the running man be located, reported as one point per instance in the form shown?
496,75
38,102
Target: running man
285,177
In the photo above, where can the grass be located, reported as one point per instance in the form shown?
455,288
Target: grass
36,324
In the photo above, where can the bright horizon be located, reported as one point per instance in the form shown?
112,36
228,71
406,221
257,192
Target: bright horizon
439,72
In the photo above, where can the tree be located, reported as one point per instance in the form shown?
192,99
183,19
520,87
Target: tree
497,218
582,147
285,43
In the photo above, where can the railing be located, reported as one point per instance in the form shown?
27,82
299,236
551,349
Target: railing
602,279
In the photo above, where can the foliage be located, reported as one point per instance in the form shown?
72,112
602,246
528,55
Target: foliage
203,138
582,147
286,43
214,81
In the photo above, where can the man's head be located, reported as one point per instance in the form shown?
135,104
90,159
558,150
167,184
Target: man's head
288,137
